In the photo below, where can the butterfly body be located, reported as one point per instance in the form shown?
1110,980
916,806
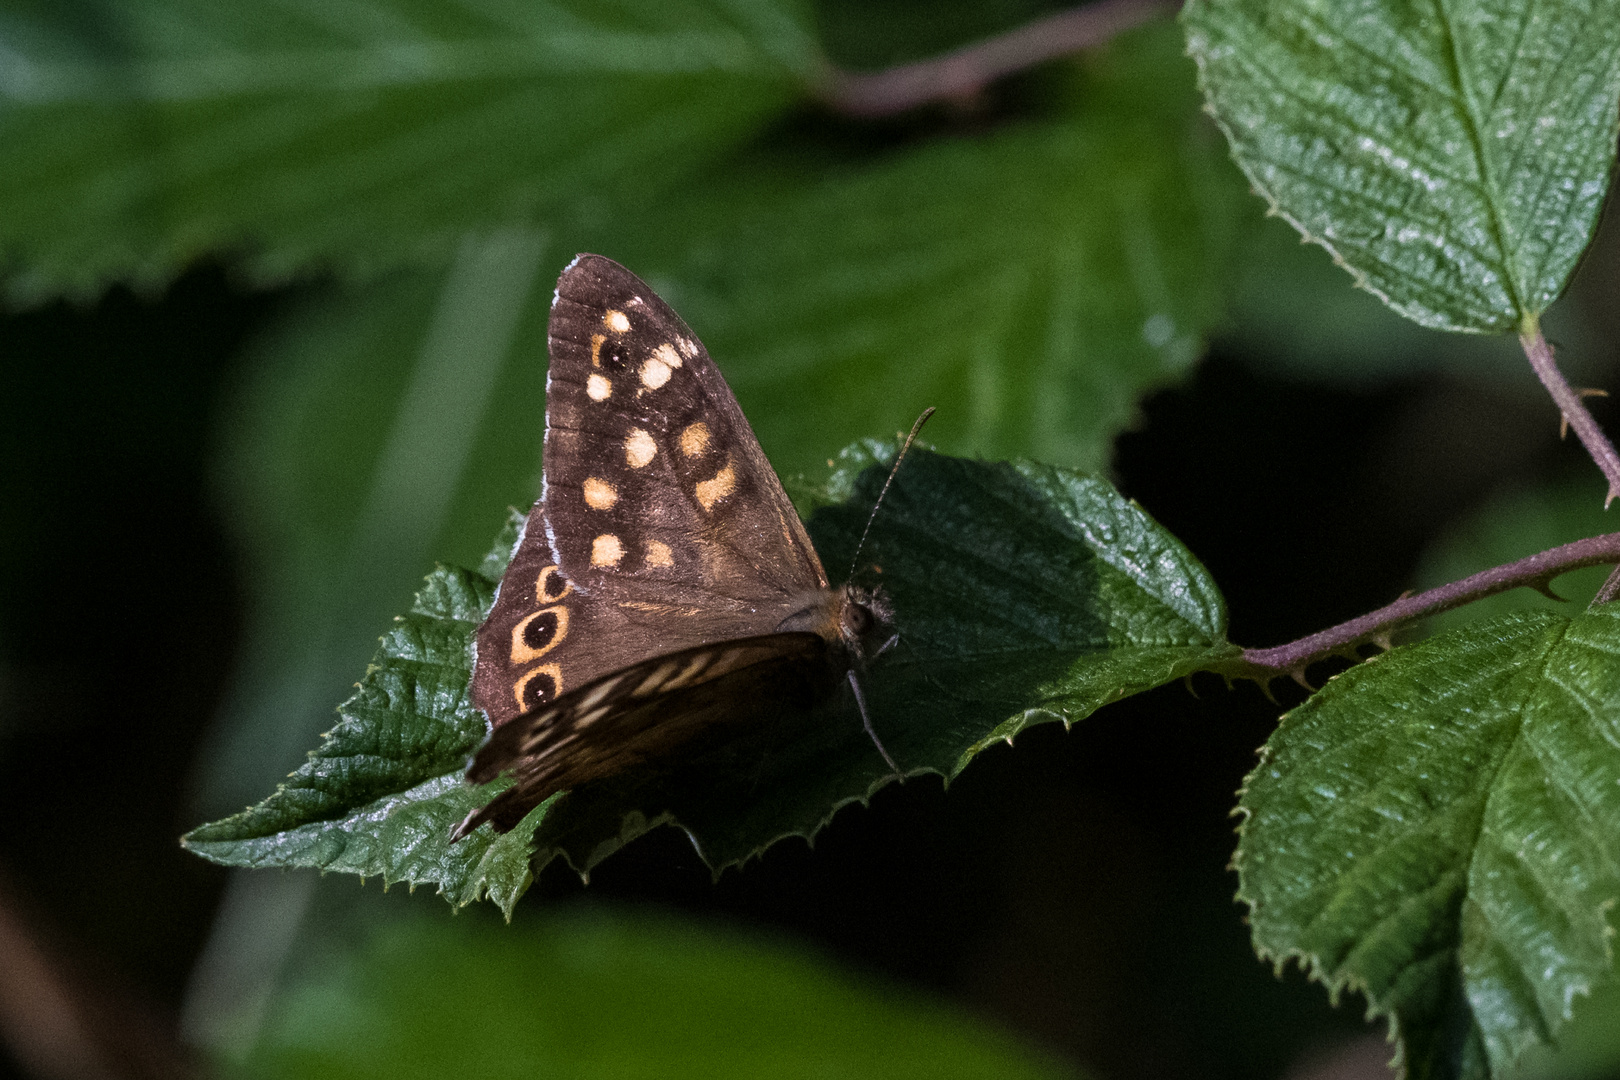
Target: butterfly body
664,585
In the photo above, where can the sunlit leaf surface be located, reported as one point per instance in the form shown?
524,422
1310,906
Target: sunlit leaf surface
1453,153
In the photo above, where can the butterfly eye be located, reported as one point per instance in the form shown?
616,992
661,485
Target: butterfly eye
857,620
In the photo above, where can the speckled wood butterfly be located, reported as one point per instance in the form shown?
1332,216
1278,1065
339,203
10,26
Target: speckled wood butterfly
663,584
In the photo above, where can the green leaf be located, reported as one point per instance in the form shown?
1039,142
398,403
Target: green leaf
1024,594
1032,281
1588,1049
140,134
1439,829
610,995
383,790
1454,155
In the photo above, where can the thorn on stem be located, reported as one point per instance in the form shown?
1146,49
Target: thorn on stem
1544,587
1187,682
1298,675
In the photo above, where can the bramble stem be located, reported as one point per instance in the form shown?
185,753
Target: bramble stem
1570,404
1537,571
1611,588
958,74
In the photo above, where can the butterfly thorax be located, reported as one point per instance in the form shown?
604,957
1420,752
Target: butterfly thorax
849,619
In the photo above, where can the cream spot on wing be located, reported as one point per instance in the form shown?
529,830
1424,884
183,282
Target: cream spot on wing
695,439
717,487
587,719
639,448
693,668
652,682
658,554
596,349
599,494
673,611
667,355
598,387
730,660
654,373
594,698
616,321
606,550
688,347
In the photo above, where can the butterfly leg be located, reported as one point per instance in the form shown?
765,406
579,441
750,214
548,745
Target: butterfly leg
860,702
887,645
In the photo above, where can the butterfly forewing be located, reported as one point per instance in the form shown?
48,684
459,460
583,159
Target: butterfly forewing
657,494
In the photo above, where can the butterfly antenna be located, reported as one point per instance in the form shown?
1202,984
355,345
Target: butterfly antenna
856,561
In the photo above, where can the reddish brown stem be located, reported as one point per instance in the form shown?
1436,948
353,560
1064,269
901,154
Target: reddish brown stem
959,74
1536,571
1573,408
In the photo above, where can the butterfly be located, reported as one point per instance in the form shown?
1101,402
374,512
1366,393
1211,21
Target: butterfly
663,585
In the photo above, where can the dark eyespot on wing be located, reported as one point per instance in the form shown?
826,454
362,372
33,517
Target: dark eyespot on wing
535,688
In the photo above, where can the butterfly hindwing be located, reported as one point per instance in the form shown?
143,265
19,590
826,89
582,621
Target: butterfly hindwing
637,714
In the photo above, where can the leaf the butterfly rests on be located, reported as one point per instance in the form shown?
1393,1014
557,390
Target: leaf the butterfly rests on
663,586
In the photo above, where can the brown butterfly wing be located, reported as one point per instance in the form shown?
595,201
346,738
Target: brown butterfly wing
638,714
658,498
661,523
543,638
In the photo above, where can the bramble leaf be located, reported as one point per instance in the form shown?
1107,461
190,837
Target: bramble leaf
1024,594
1453,155
1439,829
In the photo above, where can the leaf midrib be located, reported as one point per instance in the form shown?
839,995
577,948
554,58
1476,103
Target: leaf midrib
1465,92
